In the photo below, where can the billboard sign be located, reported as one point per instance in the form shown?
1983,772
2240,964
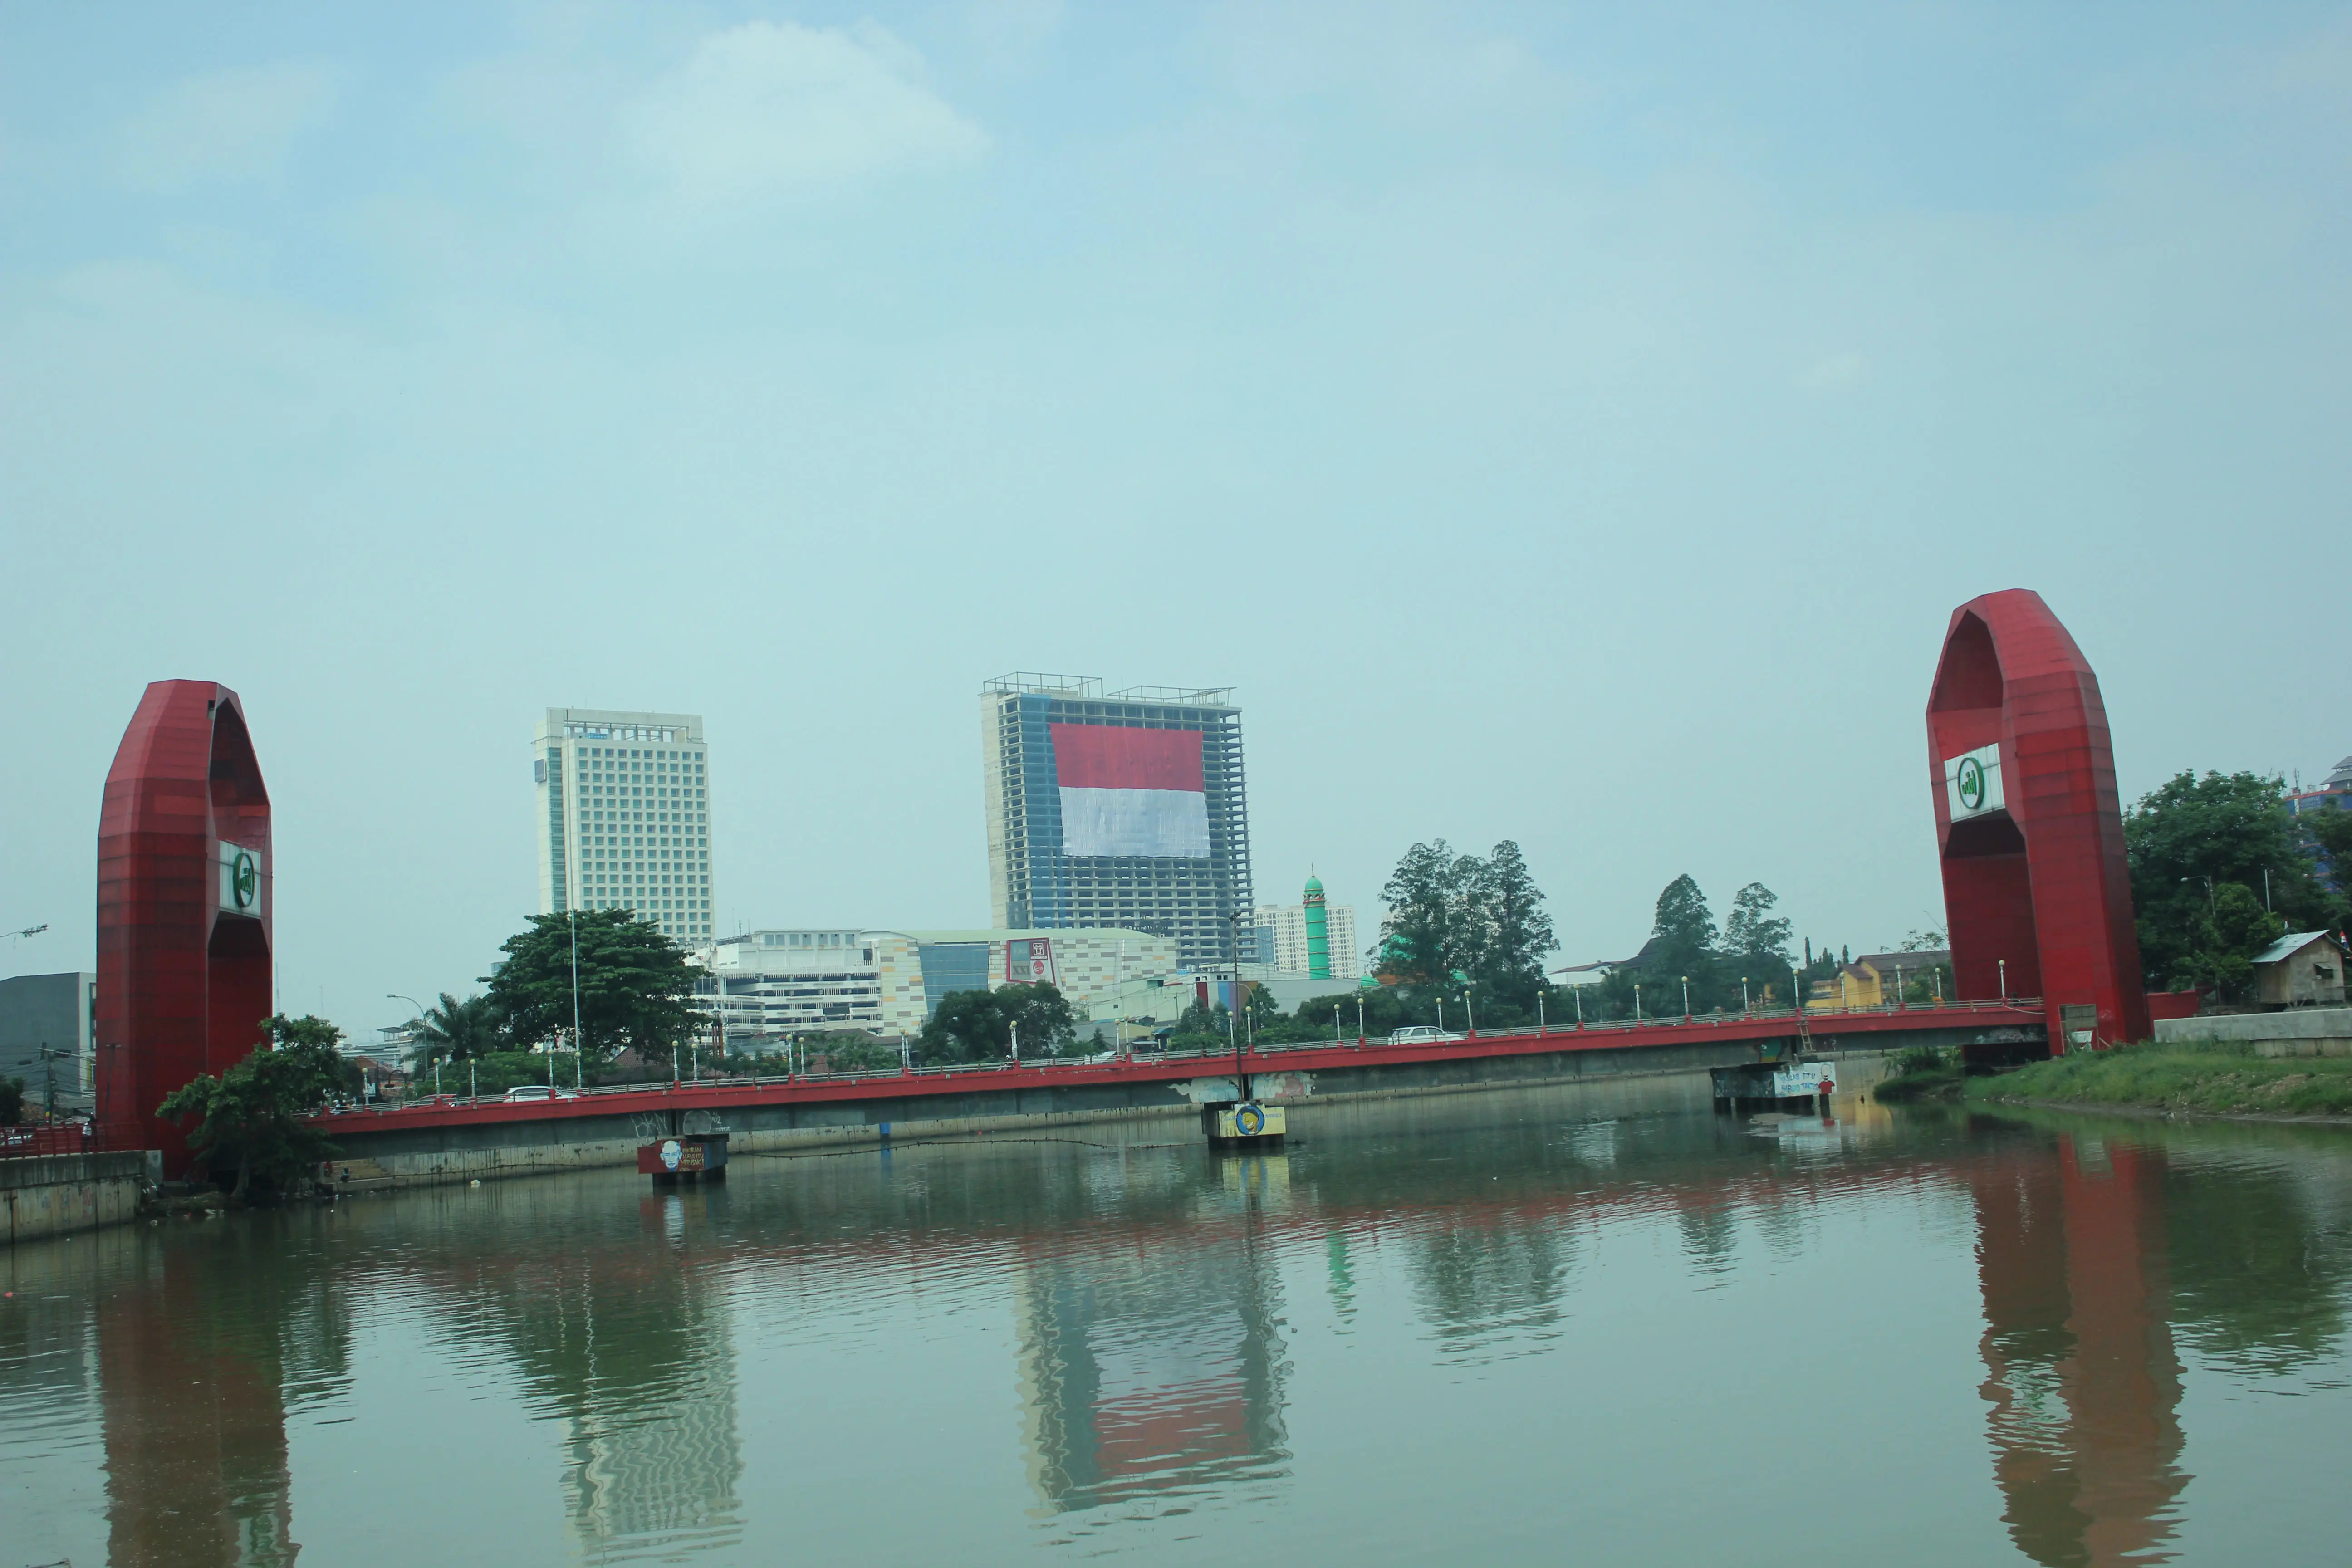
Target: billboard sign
1029,960
1972,783
240,879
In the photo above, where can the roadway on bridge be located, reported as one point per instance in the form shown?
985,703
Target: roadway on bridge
1819,1030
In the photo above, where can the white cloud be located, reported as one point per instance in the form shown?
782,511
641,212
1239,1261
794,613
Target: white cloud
771,106
232,124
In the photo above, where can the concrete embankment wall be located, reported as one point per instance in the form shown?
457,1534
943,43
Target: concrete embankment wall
2297,1032
378,1156
59,1195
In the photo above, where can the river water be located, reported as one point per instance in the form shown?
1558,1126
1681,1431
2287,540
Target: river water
1602,1325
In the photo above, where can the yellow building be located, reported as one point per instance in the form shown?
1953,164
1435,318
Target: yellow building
1872,980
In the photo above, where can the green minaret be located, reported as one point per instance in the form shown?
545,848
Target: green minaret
1318,932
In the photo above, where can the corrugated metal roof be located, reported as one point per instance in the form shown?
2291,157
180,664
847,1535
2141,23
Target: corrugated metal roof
2294,942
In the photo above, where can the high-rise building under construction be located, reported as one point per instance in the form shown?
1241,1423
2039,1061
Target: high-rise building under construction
1122,809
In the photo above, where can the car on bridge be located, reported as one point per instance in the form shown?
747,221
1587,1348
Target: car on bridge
1422,1034
524,1092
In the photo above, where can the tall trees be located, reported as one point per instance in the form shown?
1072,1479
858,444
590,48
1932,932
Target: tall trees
1426,937
1683,929
1518,932
1683,941
1460,918
1753,933
636,990
1685,944
2188,842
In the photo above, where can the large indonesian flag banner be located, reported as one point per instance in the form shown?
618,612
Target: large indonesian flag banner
1132,792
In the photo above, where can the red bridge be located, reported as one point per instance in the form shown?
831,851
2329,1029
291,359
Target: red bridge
1866,1028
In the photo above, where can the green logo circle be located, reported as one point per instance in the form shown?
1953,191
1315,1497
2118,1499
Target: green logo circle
244,881
1972,783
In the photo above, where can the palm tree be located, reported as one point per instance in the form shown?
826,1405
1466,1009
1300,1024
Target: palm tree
457,1031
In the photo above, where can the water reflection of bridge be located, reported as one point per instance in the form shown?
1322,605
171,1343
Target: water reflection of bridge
1148,1296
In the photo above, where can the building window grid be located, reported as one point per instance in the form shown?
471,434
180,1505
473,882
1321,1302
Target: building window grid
1196,899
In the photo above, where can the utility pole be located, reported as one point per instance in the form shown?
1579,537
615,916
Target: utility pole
1241,1078
579,1040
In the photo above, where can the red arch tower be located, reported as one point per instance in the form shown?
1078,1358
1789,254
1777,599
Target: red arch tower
2035,886
184,907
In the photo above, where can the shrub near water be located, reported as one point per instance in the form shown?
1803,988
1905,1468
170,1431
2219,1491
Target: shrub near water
1921,1072
2183,1077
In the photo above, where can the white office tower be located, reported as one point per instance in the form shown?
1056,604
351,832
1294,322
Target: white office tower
1288,922
624,816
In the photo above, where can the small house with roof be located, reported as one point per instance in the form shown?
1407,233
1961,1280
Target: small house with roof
2301,969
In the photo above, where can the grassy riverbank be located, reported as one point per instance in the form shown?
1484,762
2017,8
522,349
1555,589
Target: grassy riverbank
2209,1079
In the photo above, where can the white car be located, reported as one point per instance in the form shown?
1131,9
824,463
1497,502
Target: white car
538,1091
1422,1034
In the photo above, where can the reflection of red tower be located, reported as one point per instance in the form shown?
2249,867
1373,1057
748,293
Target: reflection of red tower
195,1433
183,917
2029,822
2080,1370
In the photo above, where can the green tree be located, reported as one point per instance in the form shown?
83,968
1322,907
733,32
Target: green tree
1427,937
2330,830
1200,1017
1518,932
1684,925
1683,940
2233,829
493,1073
852,1050
2236,927
254,1116
635,989
456,1031
1048,1027
977,1025
1753,935
12,1101
1456,919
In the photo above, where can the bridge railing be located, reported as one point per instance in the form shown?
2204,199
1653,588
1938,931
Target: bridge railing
1260,1051
54,1138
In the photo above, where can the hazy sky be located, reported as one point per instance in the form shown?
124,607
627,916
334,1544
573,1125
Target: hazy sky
1567,425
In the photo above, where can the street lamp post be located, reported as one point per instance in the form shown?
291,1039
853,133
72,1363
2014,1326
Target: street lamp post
1467,1012
1743,995
1637,1001
1686,1012
1360,1020
2004,978
1577,992
396,996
